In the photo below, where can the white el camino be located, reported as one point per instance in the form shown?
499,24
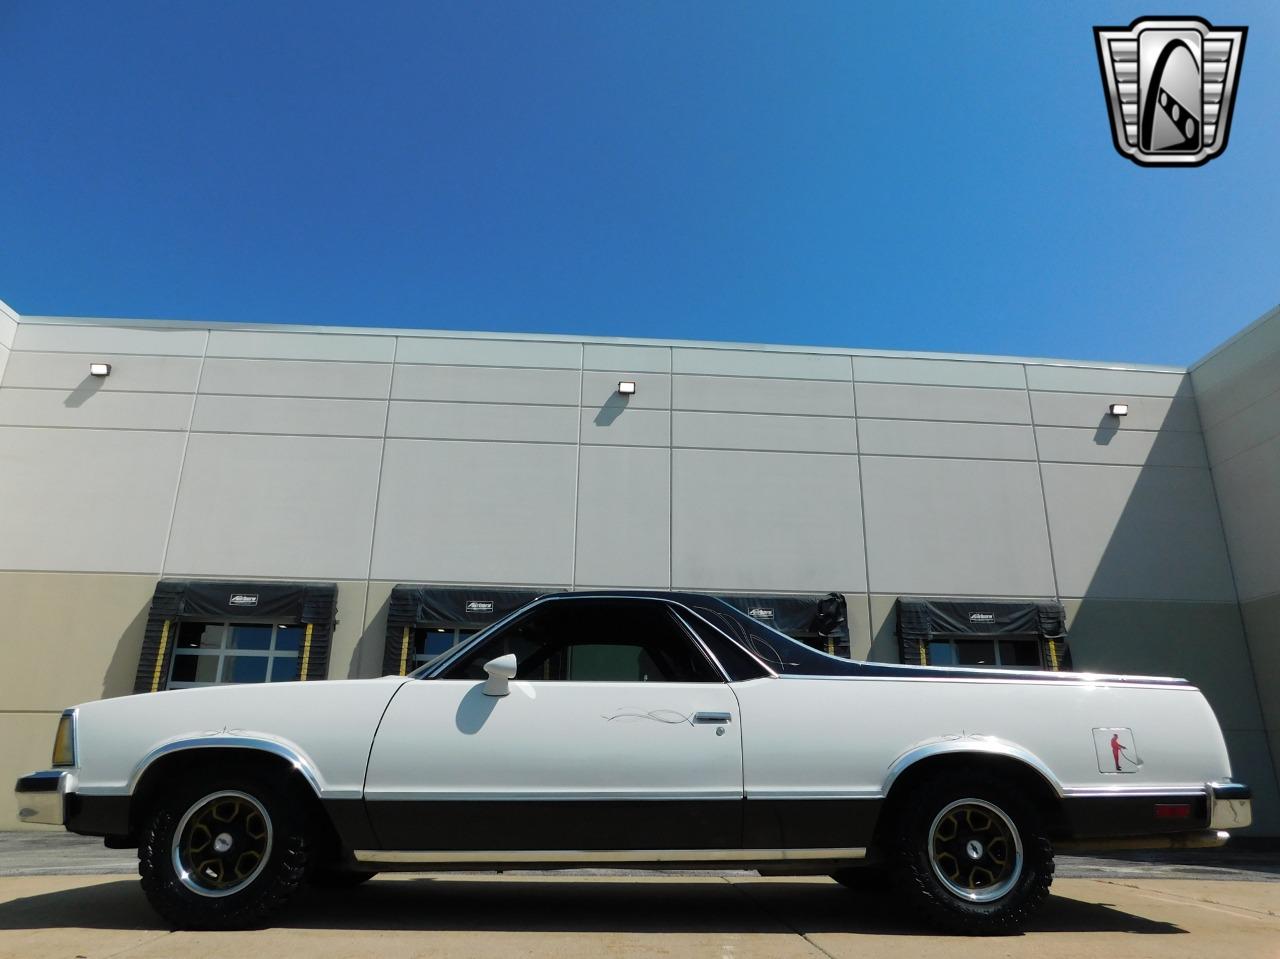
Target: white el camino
645,730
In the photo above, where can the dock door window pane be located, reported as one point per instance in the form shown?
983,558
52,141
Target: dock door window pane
988,652
430,641
208,654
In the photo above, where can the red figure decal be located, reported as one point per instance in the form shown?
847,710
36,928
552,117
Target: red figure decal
1117,750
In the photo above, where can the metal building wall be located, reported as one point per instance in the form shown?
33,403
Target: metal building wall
1238,389
371,458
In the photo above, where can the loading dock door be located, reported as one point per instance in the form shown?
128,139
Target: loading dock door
424,621
209,632
989,633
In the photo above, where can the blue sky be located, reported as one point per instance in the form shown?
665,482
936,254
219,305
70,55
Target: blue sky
930,177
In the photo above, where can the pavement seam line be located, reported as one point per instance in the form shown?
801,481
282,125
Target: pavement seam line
741,889
1191,900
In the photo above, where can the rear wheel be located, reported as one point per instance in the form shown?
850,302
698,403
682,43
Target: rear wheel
972,855
223,851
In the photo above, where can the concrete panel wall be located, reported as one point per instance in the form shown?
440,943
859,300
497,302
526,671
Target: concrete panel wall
766,521
1238,391
278,506
86,500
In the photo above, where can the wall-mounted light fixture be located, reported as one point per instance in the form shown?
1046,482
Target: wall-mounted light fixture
627,388
99,369
1118,409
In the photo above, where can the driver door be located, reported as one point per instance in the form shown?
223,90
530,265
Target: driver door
617,733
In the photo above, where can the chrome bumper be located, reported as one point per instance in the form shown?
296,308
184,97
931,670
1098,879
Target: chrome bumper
41,797
1230,805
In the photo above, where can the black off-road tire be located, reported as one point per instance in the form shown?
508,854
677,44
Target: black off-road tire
269,891
333,877
911,857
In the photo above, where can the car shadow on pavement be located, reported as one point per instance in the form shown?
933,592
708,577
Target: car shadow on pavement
515,905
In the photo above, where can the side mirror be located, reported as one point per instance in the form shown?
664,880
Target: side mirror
500,671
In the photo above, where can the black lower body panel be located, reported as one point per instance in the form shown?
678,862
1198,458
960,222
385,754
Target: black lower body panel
1103,817
98,815
591,825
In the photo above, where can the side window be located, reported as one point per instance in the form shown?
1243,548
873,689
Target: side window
594,640
733,658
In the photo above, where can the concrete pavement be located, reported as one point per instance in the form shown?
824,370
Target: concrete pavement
565,917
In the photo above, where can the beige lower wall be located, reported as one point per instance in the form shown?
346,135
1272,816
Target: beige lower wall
26,744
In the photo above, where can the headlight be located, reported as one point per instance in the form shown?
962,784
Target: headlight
64,743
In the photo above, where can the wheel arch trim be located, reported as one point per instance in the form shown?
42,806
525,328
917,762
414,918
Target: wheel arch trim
983,746
289,752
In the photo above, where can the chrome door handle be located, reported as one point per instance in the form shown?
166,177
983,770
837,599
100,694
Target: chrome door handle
712,717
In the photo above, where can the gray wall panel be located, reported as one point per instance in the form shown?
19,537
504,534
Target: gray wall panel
962,527
600,391
1090,410
745,521
1252,426
476,512
4,362
732,394
483,421
753,431
1262,626
287,415
1249,495
134,374
302,346
8,326
1222,402
90,408
965,440
624,518
1120,384
1237,360
90,500
284,506
478,384
69,338
1121,532
1122,446
483,352
800,366
884,369
626,427
296,378
890,401
627,359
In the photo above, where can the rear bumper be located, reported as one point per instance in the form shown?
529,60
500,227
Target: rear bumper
1230,805
1156,819
42,797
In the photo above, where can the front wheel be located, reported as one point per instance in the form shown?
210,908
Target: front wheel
223,851
972,855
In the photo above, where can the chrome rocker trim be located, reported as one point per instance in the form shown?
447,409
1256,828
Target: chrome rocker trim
429,856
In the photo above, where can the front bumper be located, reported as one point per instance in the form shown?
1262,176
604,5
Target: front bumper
1230,805
42,797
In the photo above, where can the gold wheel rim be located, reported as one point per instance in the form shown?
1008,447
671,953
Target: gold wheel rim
975,850
222,843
